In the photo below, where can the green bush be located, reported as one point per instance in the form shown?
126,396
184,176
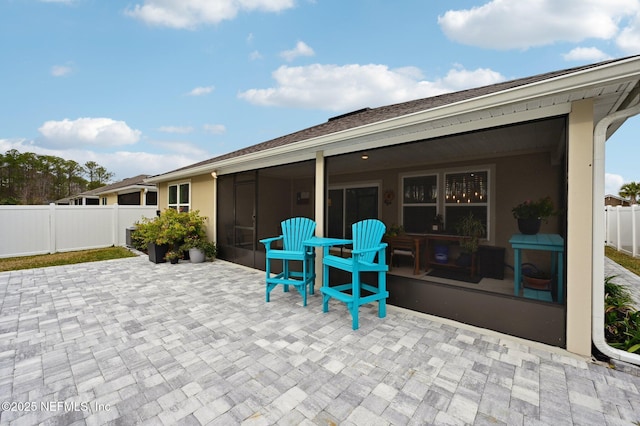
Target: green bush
171,228
622,320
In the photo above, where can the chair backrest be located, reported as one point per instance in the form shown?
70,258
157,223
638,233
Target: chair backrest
295,231
367,234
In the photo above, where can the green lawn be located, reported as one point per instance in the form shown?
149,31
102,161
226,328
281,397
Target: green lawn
67,258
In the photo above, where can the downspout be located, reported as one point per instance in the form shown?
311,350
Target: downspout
597,261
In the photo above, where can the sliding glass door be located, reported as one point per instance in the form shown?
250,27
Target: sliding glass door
349,205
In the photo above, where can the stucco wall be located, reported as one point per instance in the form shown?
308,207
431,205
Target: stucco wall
202,199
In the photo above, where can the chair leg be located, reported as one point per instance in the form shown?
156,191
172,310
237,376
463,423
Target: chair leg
268,288
382,288
312,274
354,306
325,283
285,271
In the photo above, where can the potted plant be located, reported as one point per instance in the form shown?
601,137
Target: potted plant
472,229
199,248
535,278
168,231
173,256
530,214
394,230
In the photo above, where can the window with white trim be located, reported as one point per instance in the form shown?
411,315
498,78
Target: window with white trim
419,203
466,192
180,196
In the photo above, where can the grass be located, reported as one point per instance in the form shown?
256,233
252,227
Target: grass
67,258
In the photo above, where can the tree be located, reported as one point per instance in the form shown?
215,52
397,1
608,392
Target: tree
29,178
630,191
98,175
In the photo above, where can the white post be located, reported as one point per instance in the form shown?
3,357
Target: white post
607,237
52,228
116,222
618,244
320,208
634,245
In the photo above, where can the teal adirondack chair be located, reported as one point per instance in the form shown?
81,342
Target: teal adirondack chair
368,255
294,232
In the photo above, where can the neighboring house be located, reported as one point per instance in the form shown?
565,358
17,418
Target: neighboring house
615,200
132,191
508,142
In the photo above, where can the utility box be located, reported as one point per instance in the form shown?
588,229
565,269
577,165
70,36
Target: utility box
128,237
491,262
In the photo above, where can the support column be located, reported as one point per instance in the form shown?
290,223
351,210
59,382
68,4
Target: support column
579,227
320,210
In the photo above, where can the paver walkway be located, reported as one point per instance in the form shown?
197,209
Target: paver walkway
128,341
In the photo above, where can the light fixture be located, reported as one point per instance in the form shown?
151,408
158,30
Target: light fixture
364,156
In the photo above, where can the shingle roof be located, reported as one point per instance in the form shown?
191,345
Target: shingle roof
373,115
136,180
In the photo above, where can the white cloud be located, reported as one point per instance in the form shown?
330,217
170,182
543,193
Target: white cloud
629,38
176,129
193,13
301,49
255,55
612,183
216,129
587,54
516,24
88,131
340,88
60,70
199,91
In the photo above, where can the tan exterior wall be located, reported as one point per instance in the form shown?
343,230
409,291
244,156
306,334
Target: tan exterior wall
111,199
202,199
579,228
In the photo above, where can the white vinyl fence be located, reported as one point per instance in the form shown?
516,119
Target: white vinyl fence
622,228
30,230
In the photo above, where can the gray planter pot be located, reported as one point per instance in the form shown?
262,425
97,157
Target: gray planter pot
196,255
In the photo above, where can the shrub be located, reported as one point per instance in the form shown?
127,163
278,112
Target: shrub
622,320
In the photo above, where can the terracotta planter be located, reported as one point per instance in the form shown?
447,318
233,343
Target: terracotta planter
537,283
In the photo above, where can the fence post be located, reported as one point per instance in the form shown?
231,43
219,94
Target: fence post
606,225
114,221
634,245
52,228
618,243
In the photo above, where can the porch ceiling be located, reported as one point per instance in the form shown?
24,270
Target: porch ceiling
542,135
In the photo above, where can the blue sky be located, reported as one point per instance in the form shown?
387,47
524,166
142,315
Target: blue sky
147,86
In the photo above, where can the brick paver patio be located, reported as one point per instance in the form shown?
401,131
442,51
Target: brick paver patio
131,342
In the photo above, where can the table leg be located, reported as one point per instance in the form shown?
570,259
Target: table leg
516,271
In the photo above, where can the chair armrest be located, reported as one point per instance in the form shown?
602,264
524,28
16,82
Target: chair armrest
363,251
267,241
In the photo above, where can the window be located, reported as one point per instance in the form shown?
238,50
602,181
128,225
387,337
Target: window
419,198
179,196
466,192
350,205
